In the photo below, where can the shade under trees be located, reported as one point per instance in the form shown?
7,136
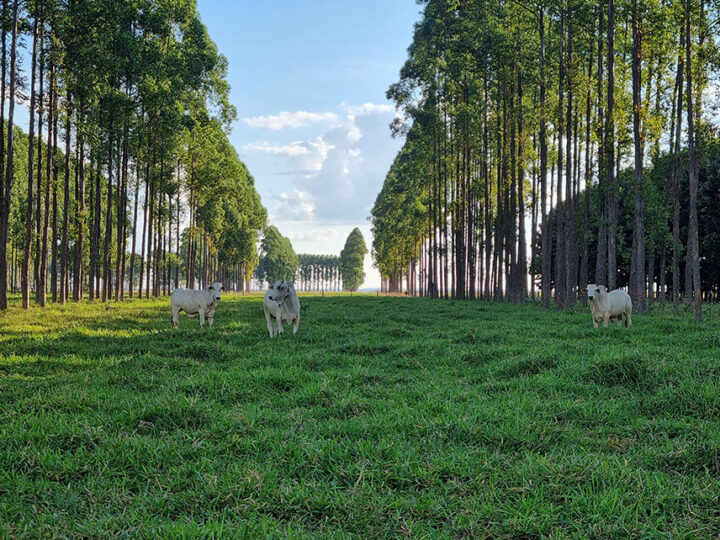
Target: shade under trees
512,113
127,144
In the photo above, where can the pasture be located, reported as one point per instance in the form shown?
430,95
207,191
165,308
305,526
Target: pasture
381,417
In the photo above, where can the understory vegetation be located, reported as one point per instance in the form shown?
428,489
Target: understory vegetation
382,416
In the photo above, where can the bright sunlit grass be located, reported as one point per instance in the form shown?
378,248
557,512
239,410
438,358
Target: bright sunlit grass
381,417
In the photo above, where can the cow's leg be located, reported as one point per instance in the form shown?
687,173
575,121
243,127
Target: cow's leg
606,318
278,318
628,318
619,321
175,318
296,323
210,321
201,312
269,322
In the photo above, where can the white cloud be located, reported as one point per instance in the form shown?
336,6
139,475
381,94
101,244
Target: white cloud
321,235
292,149
296,206
368,108
336,175
286,119
304,156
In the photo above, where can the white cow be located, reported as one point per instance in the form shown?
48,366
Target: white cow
609,306
203,303
281,303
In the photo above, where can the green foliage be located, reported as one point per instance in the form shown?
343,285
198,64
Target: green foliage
476,420
352,258
278,260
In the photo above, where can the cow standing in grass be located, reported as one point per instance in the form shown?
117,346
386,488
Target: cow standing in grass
202,303
281,303
609,306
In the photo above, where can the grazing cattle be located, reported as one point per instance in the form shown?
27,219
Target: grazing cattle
609,306
281,303
202,303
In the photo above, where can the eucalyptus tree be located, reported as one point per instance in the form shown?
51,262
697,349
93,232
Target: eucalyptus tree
352,258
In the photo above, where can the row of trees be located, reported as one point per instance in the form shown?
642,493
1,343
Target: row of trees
127,140
319,273
312,272
512,112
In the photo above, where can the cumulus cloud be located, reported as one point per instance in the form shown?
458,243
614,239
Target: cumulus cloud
287,119
368,108
304,156
326,234
296,206
337,175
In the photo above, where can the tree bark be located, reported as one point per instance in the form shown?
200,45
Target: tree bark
637,272
25,279
693,240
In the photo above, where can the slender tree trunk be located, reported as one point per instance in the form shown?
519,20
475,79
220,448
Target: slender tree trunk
65,265
562,206
585,262
676,174
134,233
150,219
25,279
610,149
637,272
546,233
570,239
3,94
107,272
10,171
121,219
145,221
79,216
53,165
693,240
39,282
42,287
522,248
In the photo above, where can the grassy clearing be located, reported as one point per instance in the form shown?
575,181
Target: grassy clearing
382,417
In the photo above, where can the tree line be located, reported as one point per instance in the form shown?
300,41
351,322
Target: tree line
513,111
312,272
127,141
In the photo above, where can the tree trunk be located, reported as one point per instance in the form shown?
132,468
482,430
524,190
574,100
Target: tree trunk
693,240
107,272
25,279
546,233
79,216
610,150
65,265
637,272
676,176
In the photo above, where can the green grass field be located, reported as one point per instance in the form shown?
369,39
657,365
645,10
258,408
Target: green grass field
381,417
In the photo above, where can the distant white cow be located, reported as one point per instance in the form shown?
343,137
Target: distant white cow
203,303
609,306
281,303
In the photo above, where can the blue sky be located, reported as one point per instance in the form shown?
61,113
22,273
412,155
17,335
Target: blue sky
308,79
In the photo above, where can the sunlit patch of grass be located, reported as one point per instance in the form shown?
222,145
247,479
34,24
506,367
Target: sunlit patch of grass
381,417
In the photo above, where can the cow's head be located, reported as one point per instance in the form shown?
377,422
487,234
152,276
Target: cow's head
595,290
215,288
280,289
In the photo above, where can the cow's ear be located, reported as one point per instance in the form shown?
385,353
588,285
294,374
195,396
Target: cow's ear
583,291
222,288
210,288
